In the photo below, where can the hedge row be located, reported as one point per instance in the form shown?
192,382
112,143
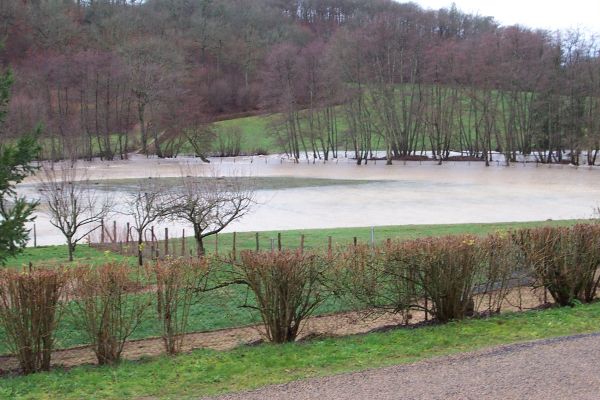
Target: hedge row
449,278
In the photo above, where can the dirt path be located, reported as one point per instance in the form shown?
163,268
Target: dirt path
225,339
563,368
342,324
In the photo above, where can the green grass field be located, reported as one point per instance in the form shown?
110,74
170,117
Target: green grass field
257,133
313,239
319,238
206,372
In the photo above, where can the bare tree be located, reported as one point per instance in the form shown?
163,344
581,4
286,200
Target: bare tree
210,204
144,207
73,205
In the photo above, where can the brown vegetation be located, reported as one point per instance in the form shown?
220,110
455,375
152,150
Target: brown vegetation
109,307
564,260
287,285
448,278
179,282
108,77
29,314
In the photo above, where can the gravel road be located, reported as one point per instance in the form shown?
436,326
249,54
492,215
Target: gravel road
563,368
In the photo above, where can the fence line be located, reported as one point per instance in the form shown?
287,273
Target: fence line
124,240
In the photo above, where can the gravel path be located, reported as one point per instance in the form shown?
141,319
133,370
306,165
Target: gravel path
563,368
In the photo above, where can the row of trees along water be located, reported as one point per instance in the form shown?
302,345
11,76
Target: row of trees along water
109,77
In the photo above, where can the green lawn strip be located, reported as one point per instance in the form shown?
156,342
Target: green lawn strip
206,372
314,239
318,238
52,256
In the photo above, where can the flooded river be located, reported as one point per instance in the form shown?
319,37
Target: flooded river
371,195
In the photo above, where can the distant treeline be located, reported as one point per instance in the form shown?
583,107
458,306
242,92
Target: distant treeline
106,77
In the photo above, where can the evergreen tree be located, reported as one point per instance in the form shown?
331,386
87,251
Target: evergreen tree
15,165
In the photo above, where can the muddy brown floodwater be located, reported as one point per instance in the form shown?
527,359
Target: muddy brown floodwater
401,194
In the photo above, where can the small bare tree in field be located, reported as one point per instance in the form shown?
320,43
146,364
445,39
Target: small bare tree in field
210,204
109,307
73,205
178,282
144,206
29,314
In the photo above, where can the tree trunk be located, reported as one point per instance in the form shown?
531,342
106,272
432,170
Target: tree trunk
199,241
71,247
143,132
200,246
140,249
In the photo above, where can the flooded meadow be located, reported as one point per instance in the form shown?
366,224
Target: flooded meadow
343,194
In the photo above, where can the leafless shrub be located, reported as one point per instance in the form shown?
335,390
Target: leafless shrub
109,307
564,260
29,313
288,287
501,270
178,282
377,278
229,142
447,272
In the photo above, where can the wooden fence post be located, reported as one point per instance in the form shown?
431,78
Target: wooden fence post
279,241
166,241
426,303
233,251
301,243
355,240
114,232
34,235
329,249
372,237
102,231
216,244
183,243
257,242
127,235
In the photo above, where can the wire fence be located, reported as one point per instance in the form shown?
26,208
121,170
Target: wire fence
166,242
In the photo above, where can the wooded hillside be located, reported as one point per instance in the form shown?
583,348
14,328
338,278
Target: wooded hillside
107,77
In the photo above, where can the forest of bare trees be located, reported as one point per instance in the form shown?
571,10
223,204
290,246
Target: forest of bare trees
108,77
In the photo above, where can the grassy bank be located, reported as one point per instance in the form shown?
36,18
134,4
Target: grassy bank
205,372
313,239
